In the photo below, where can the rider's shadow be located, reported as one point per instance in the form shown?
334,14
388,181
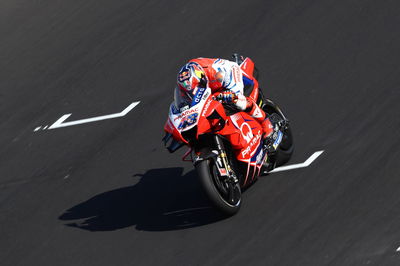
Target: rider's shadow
163,199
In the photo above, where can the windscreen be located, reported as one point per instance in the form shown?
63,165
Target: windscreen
183,100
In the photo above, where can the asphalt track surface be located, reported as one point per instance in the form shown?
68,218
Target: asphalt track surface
107,193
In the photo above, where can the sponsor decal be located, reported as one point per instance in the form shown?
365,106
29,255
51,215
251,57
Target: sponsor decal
185,72
257,113
236,74
185,113
206,106
205,95
278,140
223,172
253,142
246,132
188,121
184,75
199,94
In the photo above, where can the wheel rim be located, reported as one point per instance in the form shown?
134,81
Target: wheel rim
228,190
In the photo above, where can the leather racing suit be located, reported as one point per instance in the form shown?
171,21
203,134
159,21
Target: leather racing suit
226,75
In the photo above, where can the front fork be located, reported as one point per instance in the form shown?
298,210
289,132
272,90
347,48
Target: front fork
218,155
222,157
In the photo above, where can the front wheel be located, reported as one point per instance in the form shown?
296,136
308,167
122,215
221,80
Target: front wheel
223,192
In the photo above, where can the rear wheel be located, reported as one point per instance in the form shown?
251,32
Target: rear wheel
286,147
223,192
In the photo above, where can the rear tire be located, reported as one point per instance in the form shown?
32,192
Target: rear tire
223,194
286,147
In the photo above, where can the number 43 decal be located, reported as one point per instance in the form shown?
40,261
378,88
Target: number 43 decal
188,121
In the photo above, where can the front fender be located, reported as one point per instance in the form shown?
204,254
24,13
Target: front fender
203,155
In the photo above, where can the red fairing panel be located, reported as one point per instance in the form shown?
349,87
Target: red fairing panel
170,128
244,133
248,69
246,136
209,124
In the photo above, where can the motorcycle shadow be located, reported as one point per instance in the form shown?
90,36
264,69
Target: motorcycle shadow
162,200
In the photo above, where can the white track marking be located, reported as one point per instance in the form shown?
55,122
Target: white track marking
398,249
299,165
60,122
36,129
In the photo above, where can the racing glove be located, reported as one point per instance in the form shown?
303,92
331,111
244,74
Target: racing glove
229,97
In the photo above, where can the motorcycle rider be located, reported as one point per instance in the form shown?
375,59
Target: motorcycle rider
224,76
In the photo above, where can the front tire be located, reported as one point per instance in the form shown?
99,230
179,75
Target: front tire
223,193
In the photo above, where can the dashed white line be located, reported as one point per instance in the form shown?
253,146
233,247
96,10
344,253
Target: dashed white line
60,122
299,165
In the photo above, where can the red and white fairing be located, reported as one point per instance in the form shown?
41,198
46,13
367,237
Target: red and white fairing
240,129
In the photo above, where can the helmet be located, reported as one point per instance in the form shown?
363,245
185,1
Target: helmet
190,77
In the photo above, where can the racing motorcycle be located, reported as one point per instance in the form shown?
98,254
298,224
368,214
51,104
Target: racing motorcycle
225,145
